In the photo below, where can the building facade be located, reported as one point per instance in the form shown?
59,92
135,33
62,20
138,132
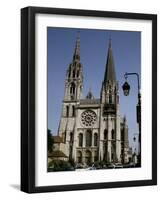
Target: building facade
91,128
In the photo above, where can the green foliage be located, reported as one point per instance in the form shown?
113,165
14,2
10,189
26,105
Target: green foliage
71,161
102,163
50,141
59,165
96,163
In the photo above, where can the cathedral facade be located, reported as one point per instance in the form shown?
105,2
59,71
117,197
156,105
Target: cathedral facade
91,129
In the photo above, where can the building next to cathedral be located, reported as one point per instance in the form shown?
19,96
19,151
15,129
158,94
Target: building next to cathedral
91,129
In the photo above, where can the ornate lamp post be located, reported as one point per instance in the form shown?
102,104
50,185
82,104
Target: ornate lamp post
126,90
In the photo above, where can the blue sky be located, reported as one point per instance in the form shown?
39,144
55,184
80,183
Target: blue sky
94,46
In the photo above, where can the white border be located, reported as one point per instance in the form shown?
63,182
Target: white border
62,178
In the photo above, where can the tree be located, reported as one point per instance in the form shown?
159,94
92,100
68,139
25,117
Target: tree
50,141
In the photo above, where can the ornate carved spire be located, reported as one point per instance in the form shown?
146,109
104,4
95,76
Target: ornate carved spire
76,55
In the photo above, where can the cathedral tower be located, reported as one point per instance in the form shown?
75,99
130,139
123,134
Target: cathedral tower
110,146
73,93
74,76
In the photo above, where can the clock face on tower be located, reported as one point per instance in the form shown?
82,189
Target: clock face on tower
88,118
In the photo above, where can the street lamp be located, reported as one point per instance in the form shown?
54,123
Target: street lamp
126,90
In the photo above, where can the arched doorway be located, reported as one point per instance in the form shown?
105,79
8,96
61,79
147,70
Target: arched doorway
79,157
88,156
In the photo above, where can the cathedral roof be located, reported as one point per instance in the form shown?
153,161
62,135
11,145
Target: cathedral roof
89,101
110,67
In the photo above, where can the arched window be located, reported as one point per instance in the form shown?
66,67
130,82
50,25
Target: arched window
105,134
72,88
77,73
80,140
88,138
110,98
73,111
67,111
73,73
112,134
71,137
95,139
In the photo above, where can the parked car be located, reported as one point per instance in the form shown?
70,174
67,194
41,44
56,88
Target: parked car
118,165
111,166
91,168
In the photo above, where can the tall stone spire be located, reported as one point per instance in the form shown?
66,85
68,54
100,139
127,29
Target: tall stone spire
110,67
74,75
76,55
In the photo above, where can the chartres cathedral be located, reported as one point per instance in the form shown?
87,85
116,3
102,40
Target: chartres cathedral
91,129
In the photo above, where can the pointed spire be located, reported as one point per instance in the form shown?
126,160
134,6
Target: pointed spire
110,41
110,67
76,55
89,94
124,119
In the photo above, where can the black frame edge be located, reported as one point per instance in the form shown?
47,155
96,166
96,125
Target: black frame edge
94,13
154,99
27,101
24,100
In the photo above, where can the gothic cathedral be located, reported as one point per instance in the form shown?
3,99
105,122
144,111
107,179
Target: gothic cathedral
91,129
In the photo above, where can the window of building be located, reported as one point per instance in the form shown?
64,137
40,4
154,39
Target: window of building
73,73
70,152
112,134
105,134
88,157
110,98
77,73
95,139
122,134
80,139
71,137
88,138
67,111
73,111
72,88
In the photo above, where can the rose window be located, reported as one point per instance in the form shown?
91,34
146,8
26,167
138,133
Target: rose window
88,118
